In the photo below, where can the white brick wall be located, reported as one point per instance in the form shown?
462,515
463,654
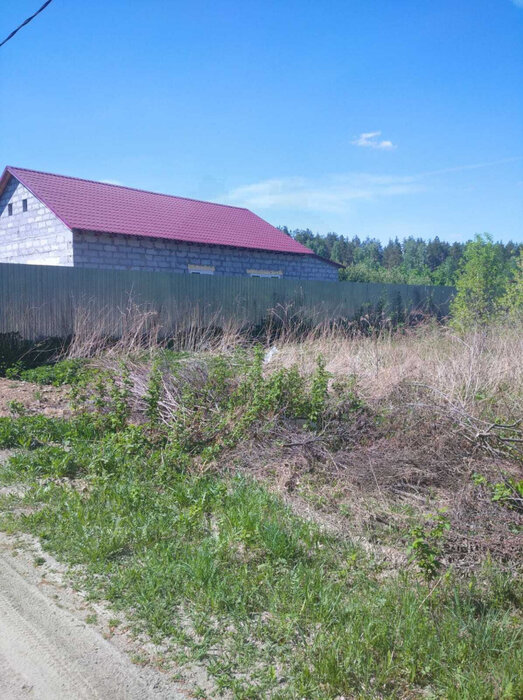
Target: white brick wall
35,236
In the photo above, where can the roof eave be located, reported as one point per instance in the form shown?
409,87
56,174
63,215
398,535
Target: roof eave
4,179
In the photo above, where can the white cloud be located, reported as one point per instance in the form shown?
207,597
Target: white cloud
371,140
333,194
338,193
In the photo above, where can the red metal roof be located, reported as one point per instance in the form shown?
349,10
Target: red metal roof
96,206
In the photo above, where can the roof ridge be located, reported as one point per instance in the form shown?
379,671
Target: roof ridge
125,187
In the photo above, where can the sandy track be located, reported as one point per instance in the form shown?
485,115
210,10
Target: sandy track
47,652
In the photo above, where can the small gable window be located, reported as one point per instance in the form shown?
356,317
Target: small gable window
201,269
9,209
24,204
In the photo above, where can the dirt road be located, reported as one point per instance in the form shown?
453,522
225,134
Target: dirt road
49,652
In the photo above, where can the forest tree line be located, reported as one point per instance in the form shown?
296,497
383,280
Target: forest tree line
409,261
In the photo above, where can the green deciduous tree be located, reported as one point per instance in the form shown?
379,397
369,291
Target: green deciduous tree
481,283
512,300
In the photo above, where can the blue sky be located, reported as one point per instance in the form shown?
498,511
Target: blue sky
365,117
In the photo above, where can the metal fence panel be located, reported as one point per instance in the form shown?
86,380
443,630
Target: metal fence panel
39,302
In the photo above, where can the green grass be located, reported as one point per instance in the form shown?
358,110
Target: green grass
272,605
30,432
269,602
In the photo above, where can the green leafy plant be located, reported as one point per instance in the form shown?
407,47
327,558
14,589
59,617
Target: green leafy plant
15,370
67,371
16,408
426,544
507,492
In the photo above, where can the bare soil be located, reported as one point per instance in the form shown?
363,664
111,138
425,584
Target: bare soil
46,400
49,650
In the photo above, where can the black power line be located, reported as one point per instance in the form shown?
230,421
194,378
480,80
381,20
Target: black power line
26,22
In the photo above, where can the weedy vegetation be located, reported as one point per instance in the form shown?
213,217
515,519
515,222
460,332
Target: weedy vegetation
67,371
340,517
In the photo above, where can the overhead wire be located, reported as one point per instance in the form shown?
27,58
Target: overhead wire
25,22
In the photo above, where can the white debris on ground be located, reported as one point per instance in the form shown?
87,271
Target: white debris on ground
270,354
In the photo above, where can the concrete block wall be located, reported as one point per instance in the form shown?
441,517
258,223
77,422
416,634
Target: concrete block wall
111,251
35,236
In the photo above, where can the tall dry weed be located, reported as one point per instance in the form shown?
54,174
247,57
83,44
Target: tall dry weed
134,329
474,380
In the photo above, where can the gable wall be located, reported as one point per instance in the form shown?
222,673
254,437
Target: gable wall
36,236
110,251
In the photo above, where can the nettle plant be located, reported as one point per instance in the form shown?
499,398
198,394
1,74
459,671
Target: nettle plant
426,546
508,492
209,403
282,394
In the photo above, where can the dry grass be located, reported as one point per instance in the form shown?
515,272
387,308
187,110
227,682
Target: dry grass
468,385
460,366
451,407
473,380
438,408
133,330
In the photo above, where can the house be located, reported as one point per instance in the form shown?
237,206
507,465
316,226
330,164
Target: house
48,219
